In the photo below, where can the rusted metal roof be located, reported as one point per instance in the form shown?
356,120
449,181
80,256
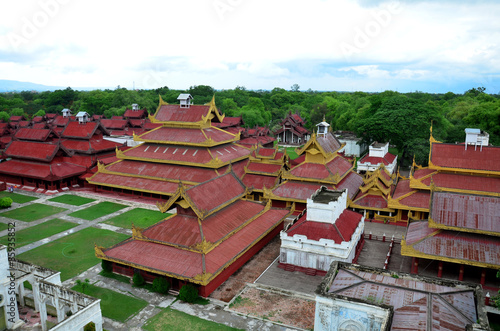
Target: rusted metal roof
486,158
297,190
328,142
415,302
466,211
370,201
417,200
460,246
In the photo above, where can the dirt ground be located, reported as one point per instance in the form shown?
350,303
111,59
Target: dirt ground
249,272
275,307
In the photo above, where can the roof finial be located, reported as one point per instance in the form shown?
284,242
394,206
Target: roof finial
324,119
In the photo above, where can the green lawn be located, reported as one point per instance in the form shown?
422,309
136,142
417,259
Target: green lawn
3,226
72,254
40,231
140,217
71,199
114,305
291,153
18,198
171,319
32,212
96,211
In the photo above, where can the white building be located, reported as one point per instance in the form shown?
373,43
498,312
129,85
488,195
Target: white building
47,294
378,154
325,232
352,144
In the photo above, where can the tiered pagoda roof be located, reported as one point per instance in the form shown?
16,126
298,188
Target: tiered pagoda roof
462,190
374,193
264,168
184,146
212,229
320,164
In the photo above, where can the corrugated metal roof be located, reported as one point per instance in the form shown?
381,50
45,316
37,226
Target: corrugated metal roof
311,170
32,134
328,142
352,182
466,211
93,145
264,167
130,113
371,201
135,183
417,200
187,135
297,190
114,124
47,171
455,245
452,308
174,113
464,182
79,130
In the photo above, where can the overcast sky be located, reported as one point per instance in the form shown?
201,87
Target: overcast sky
342,45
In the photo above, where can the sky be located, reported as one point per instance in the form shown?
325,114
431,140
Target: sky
324,45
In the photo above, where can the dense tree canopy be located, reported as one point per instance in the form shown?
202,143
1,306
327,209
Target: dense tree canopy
403,119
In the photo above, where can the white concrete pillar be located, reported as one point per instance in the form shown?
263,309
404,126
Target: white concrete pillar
20,290
36,295
43,312
59,309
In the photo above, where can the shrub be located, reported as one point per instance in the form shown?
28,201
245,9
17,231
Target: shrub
107,266
161,285
89,327
5,202
138,279
188,293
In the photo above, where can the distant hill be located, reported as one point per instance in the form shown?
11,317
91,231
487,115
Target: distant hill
14,85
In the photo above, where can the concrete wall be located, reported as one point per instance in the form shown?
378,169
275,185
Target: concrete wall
326,213
334,314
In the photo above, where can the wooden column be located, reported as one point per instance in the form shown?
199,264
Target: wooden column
440,269
414,265
483,276
461,272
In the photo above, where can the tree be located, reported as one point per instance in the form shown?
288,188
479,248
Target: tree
137,279
17,112
84,285
41,112
161,285
188,293
295,88
4,116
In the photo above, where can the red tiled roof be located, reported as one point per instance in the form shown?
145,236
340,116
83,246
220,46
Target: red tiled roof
86,161
31,150
174,113
169,230
163,170
341,230
188,154
417,200
402,188
263,167
464,182
328,142
264,152
186,135
451,308
80,130
24,124
37,119
42,125
151,126
386,160
311,170
297,190
15,118
419,173
255,141
93,145
258,182
135,183
457,245
32,134
352,182
339,165
229,121
136,122
130,113
370,201
466,211
46,171
60,121
216,192
114,124
455,156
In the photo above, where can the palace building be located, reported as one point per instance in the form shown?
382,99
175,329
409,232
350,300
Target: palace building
292,130
186,147
460,190
214,232
319,164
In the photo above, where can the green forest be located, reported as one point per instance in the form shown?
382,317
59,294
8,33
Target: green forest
403,119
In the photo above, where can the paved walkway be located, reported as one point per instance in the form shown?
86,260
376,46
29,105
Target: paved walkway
214,311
